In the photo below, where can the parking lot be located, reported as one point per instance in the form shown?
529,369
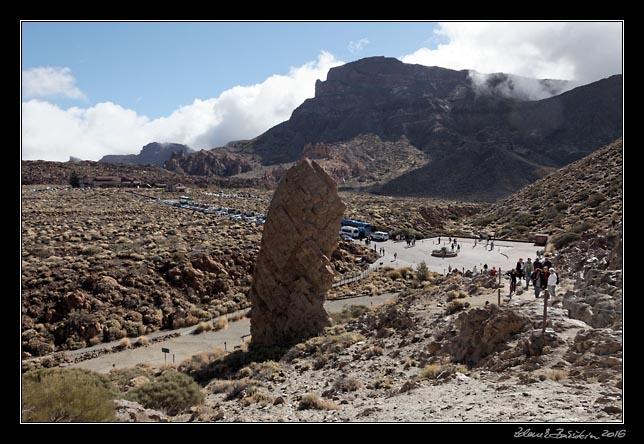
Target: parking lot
504,256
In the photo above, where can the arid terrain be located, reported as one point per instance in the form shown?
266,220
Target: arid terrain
102,265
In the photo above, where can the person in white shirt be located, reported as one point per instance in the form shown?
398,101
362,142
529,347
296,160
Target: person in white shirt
553,279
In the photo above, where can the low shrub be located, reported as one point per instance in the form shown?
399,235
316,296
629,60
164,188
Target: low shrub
563,239
313,401
66,395
171,392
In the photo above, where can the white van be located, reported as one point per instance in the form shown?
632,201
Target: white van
350,231
380,236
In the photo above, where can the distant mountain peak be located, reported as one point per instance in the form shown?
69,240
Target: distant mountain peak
155,153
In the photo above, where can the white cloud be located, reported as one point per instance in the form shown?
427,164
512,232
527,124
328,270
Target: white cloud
50,81
579,51
357,46
242,112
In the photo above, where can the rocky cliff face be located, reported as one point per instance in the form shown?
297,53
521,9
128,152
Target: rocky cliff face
483,144
208,163
293,271
151,154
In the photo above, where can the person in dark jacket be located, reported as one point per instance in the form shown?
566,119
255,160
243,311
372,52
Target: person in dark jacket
513,281
538,282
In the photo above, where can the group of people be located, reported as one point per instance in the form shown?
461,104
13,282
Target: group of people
541,274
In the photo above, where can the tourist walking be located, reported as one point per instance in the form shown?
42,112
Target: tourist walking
519,268
546,262
513,281
528,273
553,280
537,282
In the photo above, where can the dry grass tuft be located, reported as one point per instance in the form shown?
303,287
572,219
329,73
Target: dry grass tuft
312,401
142,341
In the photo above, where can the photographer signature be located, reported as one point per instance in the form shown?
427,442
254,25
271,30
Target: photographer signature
568,434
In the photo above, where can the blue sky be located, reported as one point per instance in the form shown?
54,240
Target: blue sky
154,67
96,88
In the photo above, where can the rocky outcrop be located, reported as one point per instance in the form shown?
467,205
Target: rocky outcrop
293,271
596,298
130,411
366,160
151,154
208,163
482,331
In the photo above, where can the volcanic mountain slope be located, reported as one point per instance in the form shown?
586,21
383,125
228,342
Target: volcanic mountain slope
482,142
151,154
57,173
585,196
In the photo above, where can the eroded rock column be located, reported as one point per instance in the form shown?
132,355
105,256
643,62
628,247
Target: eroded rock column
293,272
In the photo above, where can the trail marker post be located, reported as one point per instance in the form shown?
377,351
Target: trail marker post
165,354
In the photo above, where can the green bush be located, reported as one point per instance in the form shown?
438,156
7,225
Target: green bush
354,311
584,226
562,239
561,206
422,271
522,219
394,275
66,395
484,220
171,392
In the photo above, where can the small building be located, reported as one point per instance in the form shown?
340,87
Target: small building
176,187
540,239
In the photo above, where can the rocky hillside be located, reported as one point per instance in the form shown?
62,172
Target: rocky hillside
584,197
101,265
151,154
366,160
34,172
208,163
482,144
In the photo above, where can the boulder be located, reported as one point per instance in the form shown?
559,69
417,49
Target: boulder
293,272
482,331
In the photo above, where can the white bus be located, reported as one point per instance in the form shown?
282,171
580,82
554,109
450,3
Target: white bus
350,231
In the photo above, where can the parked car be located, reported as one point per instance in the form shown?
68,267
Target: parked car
380,236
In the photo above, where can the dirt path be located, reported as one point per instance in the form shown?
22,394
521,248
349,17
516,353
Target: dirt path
188,344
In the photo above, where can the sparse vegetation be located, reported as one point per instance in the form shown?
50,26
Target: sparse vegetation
313,401
595,199
556,375
202,327
431,371
171,392
562,240
142,341
352,312
347,384
66,395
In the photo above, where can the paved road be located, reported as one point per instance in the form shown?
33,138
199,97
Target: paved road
186,345
505,254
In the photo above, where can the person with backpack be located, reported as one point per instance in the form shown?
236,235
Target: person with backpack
553,281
